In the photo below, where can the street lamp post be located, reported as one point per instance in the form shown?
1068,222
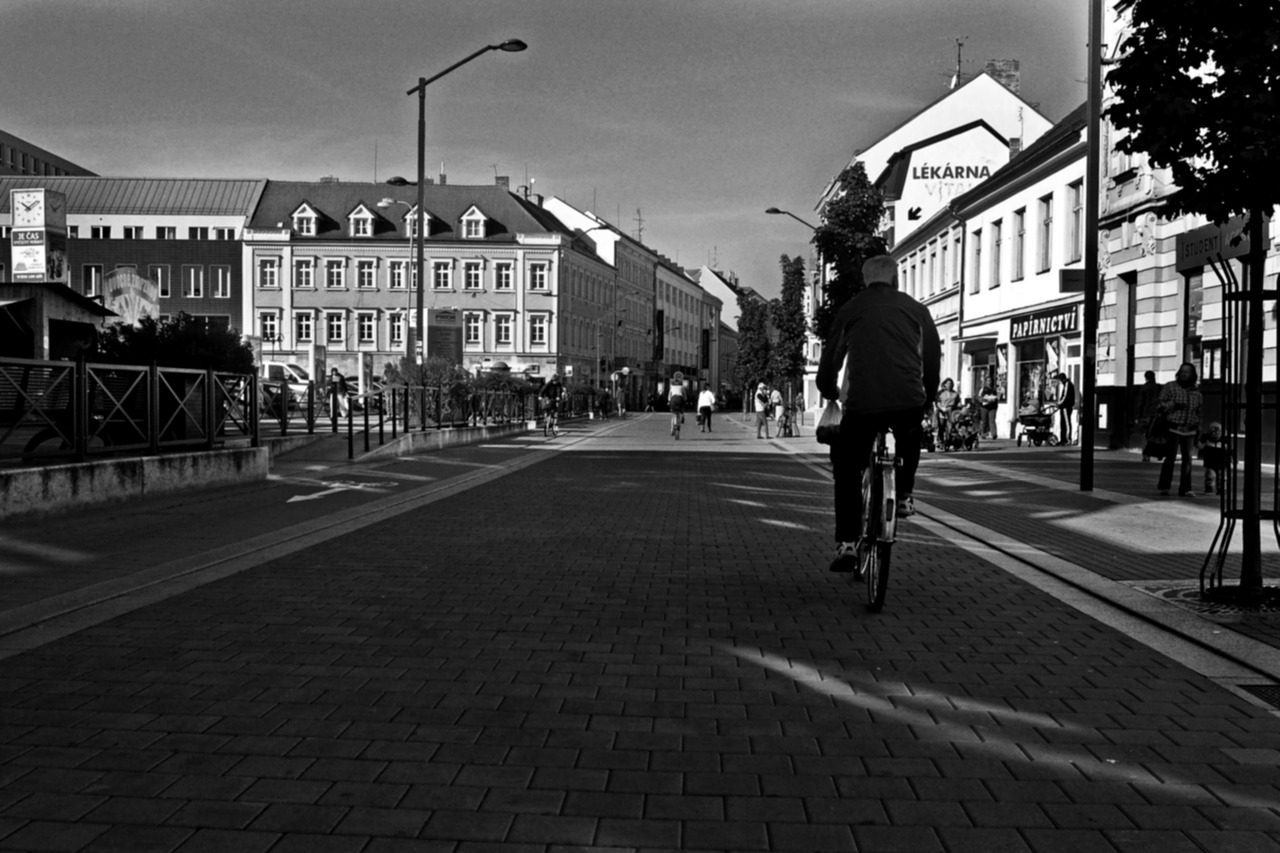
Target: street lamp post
822,267
510,46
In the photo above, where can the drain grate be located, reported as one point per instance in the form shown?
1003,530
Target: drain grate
1218,603
1269,693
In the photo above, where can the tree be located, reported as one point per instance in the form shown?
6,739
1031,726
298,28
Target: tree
752,365
786,356
848,235
1195,89
179,341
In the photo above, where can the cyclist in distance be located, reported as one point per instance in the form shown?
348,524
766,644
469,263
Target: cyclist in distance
551,393
888,347
675,402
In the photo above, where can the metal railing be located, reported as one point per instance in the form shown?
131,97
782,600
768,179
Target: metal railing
81,409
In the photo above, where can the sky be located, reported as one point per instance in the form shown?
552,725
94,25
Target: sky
683,118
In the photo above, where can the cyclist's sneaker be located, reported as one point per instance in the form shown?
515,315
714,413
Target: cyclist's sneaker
906,506
846,559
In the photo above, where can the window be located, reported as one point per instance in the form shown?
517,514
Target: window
198,233
1075,236
502,330
397,328
269,325
1046,234
193,282
365,275
538,277
362,226
304,224
224,233
502,279
159,273
441,275
133,232
471,328
366,327
73,231
304,324
268,272
335,273
538,330
944,272
335,326
221,282
166,232
1019,243
91,276
975,273
304,270
997,248
471,275
99,232
473,229
397,274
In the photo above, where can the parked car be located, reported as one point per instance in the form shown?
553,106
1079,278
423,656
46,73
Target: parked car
286,371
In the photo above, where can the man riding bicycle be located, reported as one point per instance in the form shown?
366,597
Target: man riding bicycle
888,347
551,394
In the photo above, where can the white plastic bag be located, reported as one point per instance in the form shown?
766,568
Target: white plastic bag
829,423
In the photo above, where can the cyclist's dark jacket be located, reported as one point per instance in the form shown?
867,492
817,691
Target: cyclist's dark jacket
552,390
888,344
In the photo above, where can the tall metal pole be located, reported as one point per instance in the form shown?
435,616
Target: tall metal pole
1088,373
420,345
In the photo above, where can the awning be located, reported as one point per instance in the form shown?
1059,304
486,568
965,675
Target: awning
982,344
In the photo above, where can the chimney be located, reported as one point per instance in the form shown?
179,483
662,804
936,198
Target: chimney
1015,147
443,179
1007,72
503,181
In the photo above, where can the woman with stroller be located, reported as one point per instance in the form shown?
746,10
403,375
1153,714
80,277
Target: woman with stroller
1180,405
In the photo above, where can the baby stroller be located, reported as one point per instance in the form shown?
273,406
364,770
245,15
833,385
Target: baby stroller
1037,426
963,434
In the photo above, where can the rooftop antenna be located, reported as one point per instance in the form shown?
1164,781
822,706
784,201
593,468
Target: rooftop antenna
375,161
639,226
955,78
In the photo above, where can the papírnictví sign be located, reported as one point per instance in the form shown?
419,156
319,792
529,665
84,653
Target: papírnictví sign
1056,321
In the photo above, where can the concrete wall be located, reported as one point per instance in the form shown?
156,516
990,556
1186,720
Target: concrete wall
419,442
60,487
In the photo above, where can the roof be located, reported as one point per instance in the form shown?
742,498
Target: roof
894,176
145,196
445,204
1061,137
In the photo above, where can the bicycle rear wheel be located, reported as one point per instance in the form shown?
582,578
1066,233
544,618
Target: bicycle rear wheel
874,550
875,572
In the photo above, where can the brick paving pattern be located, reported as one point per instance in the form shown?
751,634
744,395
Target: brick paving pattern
631,651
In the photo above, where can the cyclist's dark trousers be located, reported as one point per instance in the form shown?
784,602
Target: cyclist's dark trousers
852,453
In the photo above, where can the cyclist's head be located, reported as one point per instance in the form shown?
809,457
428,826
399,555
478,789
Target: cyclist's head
880,269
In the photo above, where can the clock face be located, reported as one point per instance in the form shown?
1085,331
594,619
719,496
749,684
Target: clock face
28,209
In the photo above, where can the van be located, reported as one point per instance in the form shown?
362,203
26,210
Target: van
287,371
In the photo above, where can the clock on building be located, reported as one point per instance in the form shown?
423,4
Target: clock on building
28,208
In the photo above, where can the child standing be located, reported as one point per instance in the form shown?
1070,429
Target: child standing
1216,457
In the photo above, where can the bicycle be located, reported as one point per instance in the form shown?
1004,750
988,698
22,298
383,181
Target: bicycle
551,421
677,416
879,522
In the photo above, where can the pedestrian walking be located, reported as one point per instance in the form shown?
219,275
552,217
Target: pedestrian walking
775,407
706,404
944,406
989,401
762,410
338,391
1066,400
1180,406
1148,400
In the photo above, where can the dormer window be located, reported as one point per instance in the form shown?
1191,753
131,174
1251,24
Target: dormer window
473,224
304,221
360,222
411,223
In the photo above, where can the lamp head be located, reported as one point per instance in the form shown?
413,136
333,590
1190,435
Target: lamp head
512,46
386,202
773,210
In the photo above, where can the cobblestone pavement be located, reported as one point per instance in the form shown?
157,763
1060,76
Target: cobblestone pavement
622,646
